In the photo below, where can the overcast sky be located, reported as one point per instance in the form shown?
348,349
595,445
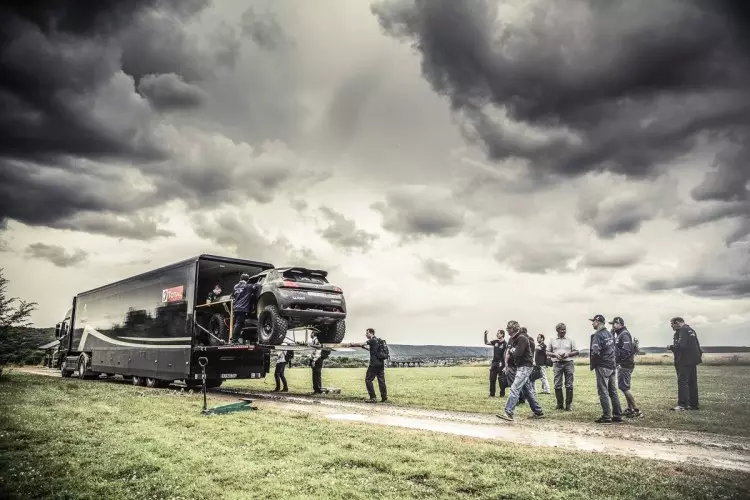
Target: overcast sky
454,165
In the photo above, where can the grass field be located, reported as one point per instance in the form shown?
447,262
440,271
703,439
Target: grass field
724,393
83,439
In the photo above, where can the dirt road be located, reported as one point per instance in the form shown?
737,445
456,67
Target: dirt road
704,449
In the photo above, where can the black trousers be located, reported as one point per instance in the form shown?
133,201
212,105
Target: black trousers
239,324
687,385
278,375
317,375
372,373
496,376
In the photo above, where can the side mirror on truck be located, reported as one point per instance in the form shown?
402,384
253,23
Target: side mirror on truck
57,330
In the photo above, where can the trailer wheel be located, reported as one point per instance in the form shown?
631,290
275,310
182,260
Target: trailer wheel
152,383
138,380
83,362
333,333
272,327
219,328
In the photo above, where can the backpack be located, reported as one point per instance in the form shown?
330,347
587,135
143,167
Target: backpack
381,352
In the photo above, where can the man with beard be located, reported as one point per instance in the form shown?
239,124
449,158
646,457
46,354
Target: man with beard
521,351
563,351
625,358
499,346
602,360
687,356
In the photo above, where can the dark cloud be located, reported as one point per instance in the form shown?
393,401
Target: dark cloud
343,233
719,274
56,254
264,29
133,226
613,257
168,92
547,255
708,212
439,271
584,86
418,211
610,216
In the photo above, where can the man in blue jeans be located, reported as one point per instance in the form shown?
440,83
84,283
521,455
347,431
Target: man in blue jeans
521,350
602,359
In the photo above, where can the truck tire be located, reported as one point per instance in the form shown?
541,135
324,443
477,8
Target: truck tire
272,327
218,327
83,366
65,372
138,381
333,333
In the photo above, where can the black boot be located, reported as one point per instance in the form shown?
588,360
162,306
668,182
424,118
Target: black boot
559,396
568,398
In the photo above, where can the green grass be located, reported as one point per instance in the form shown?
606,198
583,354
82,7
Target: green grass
81,439
724,393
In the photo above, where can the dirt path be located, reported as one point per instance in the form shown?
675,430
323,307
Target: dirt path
704,449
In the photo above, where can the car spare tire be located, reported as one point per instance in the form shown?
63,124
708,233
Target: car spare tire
272,327
333,333
219,329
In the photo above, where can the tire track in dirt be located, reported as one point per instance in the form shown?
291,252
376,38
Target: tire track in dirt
693,448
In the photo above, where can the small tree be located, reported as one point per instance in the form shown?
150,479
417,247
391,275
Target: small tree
14,313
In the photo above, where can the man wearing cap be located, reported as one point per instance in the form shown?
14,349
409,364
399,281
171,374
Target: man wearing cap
562,350
602,359
687,356
522,352
625,358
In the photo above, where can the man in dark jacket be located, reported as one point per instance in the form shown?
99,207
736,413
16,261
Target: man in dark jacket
243,294
499,346
625,358
521,350
602,359
687,356
376,368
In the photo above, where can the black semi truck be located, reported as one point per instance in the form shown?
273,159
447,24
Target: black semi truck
152,329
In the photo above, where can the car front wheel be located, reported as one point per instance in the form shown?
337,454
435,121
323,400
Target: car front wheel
272,327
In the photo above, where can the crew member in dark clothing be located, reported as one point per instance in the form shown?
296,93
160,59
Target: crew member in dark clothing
375,369
243,294
687,356
625,358
214,294
278,372
602,359
521,350
499,346
540,360
318,358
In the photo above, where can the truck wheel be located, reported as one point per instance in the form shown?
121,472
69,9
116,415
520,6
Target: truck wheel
138,380
333,333
64,372
82,366
272,327
152,383
218,327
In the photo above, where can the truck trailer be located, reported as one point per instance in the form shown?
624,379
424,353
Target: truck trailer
150,327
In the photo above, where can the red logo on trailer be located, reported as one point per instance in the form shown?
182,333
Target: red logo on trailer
174,294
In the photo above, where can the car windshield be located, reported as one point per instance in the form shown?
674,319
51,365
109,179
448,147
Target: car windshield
304,277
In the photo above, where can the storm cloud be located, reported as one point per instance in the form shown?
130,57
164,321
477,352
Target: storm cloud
579,86
169,92
343,233
56,254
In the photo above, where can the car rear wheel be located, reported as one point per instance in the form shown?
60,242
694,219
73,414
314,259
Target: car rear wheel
272,327
219,329
333,333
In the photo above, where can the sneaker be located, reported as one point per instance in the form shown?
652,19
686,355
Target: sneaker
384,400
538,415
505,416
373,400
679,408
636,413
627,412
616,420
603,420
285,389
276,390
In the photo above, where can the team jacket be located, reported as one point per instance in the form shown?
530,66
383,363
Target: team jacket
602,350
624,349
686,348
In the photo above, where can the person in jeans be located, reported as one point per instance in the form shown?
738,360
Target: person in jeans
625,358
540,360
278,372
563,351
602,359
687,356
376,368
243,294
522,353
499,346
317,359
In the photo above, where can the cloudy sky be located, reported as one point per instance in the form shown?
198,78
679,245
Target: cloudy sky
454,165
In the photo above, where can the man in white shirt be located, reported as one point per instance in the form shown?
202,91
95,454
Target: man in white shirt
278,373
563,351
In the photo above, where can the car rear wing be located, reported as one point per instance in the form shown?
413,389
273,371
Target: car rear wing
304,270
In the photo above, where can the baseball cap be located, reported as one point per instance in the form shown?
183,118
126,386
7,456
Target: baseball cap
617,320
598,318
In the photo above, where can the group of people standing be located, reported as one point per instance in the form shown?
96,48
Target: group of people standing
519,361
